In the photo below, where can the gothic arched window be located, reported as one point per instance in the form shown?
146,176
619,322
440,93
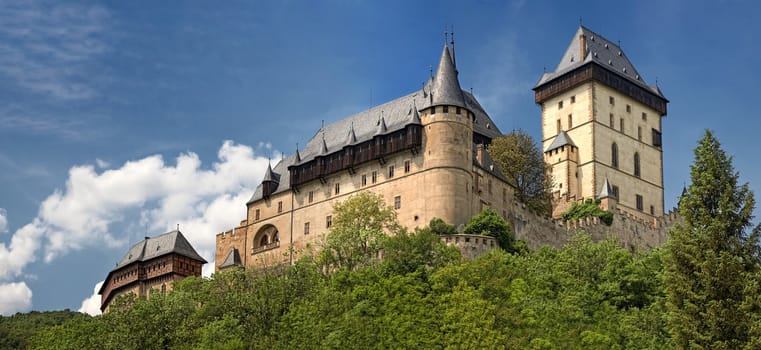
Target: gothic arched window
614,155
636,164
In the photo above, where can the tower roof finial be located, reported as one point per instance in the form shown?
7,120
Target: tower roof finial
454,62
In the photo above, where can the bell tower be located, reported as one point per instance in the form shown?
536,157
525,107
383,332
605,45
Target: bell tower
596,101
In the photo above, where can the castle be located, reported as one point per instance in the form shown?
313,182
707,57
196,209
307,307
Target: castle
427,154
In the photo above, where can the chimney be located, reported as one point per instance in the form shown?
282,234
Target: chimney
582,47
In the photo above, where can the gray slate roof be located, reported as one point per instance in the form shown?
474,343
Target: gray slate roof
601,51
150,248
386,118
560,140
606,191
232,259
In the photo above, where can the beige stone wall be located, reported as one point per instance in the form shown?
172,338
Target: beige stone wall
471,246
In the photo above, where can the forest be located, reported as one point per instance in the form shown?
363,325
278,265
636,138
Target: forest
366,289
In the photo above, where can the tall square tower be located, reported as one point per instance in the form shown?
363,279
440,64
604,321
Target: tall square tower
601,128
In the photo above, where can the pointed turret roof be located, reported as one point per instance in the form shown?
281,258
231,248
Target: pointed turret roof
561,140
232,259
323,146
297,156
270,175
445,87
382,128
351,138
601,51
606,191
415,116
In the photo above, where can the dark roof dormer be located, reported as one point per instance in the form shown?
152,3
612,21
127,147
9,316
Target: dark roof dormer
270,182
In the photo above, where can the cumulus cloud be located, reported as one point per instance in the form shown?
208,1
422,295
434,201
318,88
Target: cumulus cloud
3,221
203,201
16,297
91,305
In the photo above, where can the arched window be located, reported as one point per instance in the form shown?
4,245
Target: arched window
614,155
263,241
636,164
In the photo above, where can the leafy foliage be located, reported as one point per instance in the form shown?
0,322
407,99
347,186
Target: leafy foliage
522,162
586,209
489,223
712,270
16,329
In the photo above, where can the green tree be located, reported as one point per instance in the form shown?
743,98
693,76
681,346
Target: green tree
712,256
357,232
489,223
522,162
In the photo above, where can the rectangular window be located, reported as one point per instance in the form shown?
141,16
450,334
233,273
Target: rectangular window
375,176
612,101
306,228
639,133
433,110
504,195
652,210
406,166
559,127
311,196
390,171
573,99
338,188
458,110
656,138
570,121
612,125
628,109
639,202
488,186
615,191
622,124
398,202
644,116
256,214
560,105
280,207
364,180
445,109
328,221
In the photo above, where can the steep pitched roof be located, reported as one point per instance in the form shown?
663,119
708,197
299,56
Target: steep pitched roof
270,176
232,259
150,248
560,140
606,191
445,87
600,51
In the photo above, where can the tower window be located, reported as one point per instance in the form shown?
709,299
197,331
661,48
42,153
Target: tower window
560,105
280,206
652,210
311,196
458,110
306,228
488,186
445,109
338,188
612,125
639,133
374,177
636,164
644,116
621,121
256,214
628,108
390,171
570,121
398,202
364,180
573,99
559,127
640,206
656,138
615,191
406,166
433,110
612,101
328,221
614,155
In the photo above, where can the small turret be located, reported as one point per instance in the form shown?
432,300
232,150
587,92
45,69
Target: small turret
270,182
445,88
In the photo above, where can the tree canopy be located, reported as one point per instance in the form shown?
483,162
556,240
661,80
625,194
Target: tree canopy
522,162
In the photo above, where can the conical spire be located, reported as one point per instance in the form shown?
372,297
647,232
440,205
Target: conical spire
323,146
382,129
351,138
445,87
415,115
269,174
297,156
606,191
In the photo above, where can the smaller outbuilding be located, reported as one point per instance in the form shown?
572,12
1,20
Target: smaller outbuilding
151,265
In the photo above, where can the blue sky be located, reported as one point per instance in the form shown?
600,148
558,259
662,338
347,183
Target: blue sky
121,119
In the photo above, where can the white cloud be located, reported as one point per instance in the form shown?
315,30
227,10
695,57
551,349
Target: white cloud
91,305
102,164
3,221
202,201
16,297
